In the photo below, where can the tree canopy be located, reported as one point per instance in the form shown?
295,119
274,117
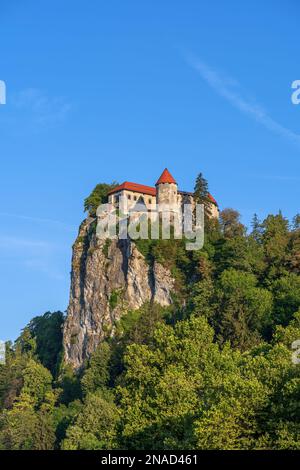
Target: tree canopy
98,196
215,370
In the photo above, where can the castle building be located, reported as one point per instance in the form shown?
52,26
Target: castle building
165,193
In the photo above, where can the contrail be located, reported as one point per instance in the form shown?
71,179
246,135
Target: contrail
224,87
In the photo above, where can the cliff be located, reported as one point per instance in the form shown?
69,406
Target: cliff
108,278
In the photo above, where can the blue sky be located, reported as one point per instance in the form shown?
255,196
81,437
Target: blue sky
118,90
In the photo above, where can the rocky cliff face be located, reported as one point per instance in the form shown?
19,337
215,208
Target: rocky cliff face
108,278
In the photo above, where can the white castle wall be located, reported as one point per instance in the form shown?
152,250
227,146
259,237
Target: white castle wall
167,194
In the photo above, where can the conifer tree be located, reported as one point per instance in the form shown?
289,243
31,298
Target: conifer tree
201,194
201,189
296,222
256,228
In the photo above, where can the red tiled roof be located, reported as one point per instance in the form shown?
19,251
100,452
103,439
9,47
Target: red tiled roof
137,188
165,177
212,199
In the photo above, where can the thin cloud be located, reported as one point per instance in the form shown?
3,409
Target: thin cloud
44,267
9,242
38,220
227,88
43,108
32,110
33,254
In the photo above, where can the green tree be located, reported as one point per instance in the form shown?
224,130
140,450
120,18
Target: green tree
47,333
98,196
256,226
28,424
296,222
201,189
243,310
37,381
293,255
230,223
286,291
201,194
160,386
96,375
275,243
95,427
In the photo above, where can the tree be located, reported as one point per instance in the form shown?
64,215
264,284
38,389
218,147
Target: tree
230,223
28,425
296,222
293,255
243,309
256,229
201,189
160,387
241,253
202,299
275,243
11,375
201,193
183,392
37,382
95,427
286,291
98,196
212,371
96,376
47,332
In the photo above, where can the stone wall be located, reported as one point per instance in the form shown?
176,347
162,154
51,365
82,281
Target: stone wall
132,197
166,195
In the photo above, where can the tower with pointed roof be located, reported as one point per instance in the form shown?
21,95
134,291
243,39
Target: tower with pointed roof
165,195
166,192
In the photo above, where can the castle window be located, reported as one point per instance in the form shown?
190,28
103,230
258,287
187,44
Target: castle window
135,198
150,200
129,196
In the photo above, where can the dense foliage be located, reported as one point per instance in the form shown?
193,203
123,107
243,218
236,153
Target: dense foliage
214,371
98,196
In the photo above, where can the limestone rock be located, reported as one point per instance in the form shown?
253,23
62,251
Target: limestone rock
108,278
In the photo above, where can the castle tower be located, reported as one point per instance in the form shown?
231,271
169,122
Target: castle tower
166,192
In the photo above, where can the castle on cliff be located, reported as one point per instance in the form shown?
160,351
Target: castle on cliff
165,193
